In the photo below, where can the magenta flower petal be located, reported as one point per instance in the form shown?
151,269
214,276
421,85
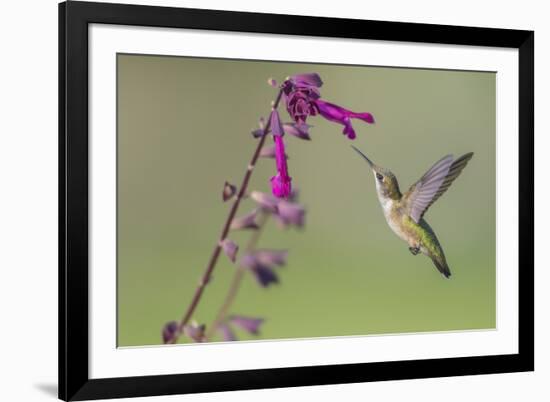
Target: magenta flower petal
266,201
341,115
276,126
365,116
311,79
227,333
300,102
195,332
245,222
281,186
348,128
250,325
271,257
169,331
230,248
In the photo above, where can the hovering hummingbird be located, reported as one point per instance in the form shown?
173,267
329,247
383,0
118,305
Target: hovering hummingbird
405,212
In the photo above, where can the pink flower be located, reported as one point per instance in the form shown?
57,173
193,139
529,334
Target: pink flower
302,98
281,182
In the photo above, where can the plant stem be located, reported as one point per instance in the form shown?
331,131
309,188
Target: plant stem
232,212
237,279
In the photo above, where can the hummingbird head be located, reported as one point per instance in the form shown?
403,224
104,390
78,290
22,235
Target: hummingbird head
385,180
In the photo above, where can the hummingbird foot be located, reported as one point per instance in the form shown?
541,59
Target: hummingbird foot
414,250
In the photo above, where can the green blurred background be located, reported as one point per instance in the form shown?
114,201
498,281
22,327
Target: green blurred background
184,128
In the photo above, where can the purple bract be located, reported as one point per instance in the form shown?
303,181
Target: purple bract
250,325
169,331
227,333
247,221
230,248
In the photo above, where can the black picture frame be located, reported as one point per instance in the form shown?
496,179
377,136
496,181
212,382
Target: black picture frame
74,381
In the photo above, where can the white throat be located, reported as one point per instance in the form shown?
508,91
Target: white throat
385,202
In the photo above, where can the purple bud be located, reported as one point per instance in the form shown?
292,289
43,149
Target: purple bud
259,132
266,201
312,79
250,325
271,257
229,191
300,130
245,222
230,248
169,331
227,334
276,126
290,213
195,331
272,82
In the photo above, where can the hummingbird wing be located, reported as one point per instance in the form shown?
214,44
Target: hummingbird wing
433,184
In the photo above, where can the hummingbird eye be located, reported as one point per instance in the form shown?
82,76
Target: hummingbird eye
379,177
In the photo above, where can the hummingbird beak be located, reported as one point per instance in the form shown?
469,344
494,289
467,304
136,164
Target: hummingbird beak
365,157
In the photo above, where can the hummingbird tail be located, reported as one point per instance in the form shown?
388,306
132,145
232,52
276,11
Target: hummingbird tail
442,266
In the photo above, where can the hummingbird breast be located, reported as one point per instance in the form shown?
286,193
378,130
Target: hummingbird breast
417,235
394,214
414,234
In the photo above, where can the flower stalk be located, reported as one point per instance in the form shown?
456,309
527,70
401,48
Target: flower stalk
225,230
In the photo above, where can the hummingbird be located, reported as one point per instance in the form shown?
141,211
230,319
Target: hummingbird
404,213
